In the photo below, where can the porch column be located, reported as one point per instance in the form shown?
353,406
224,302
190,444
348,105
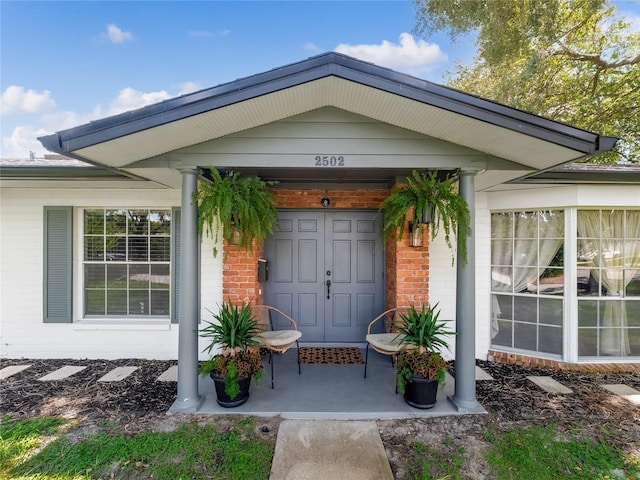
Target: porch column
188,397
464,397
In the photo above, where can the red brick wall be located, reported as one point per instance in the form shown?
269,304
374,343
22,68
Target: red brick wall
407,268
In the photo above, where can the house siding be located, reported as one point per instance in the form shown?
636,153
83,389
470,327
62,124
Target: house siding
23,332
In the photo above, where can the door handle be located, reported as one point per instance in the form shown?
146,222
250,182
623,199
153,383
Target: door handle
328,288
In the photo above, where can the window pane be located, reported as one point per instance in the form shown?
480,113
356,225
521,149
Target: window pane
116,249
633,312
116,302
501,225
526,253
160,277
503,338
552,282
138,222
526,225
159,222
116,222
116,276
160,249
632,279
138,302
501,306
94,276
525,309
550,340
138,249
94,222
551,224
588,313
551,311
501,279
587,342
94,302
139,276
526,280
94,248
501,252
160,302
525,336
587,285
634,341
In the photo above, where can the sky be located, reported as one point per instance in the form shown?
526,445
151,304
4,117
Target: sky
64,63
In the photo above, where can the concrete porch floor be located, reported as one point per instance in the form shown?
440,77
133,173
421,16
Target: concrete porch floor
336,392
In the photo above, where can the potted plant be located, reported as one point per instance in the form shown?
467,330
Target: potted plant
421,367
234,329
242,207
426,198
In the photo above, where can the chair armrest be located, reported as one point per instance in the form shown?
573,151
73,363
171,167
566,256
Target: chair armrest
293,322
378,318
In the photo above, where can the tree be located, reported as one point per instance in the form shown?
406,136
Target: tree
574,61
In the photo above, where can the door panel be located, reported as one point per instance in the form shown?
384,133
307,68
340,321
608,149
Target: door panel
313,247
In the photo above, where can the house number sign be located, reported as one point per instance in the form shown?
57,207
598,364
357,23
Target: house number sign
329,161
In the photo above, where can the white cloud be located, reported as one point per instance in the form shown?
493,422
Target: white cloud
407,55
130,99
22,141
189,87
18,99
116,35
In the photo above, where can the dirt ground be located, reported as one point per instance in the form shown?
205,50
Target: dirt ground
139,403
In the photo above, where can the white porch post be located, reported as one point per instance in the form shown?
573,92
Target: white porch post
464,397
188,397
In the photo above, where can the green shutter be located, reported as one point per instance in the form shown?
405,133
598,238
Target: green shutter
58,259
175,264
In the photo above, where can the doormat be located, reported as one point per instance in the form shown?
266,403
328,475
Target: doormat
331,355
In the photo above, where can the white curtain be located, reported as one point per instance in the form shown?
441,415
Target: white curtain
614,263
537,236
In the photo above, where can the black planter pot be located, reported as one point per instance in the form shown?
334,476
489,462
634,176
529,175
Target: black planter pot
223,399
421,393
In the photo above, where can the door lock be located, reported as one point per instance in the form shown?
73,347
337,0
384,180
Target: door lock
328,289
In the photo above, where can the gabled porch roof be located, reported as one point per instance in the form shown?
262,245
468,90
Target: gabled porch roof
529,142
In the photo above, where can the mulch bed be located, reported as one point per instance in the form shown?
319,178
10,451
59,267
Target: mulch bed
510,398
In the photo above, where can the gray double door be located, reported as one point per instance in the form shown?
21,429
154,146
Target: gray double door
326,269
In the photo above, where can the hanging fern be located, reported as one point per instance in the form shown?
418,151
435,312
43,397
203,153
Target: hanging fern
235,205
426,193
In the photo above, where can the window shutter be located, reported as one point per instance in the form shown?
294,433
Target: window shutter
175,267
58,259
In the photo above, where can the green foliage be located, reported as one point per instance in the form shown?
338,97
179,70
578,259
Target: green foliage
426,193
240,206
539,452
574,61
234,330
421,329
423,335
190,452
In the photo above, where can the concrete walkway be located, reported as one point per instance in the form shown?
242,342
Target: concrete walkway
329,449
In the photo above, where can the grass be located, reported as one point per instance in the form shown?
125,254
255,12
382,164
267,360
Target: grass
190,452
40,449
539,452
433,464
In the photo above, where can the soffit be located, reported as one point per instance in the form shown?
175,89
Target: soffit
332,91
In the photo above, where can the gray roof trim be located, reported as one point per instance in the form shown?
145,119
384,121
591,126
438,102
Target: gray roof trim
585,173
60,172
314,68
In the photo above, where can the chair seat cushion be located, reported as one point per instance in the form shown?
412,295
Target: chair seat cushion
279,338
388,342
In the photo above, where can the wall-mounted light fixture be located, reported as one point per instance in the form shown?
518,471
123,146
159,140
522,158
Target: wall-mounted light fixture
415,235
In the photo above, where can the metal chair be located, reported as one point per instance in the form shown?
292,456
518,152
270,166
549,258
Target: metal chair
276,340
387,343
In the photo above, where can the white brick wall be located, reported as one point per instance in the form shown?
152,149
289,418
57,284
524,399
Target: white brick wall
22,331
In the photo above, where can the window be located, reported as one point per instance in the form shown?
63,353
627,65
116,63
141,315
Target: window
127,262
608,283
527,280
